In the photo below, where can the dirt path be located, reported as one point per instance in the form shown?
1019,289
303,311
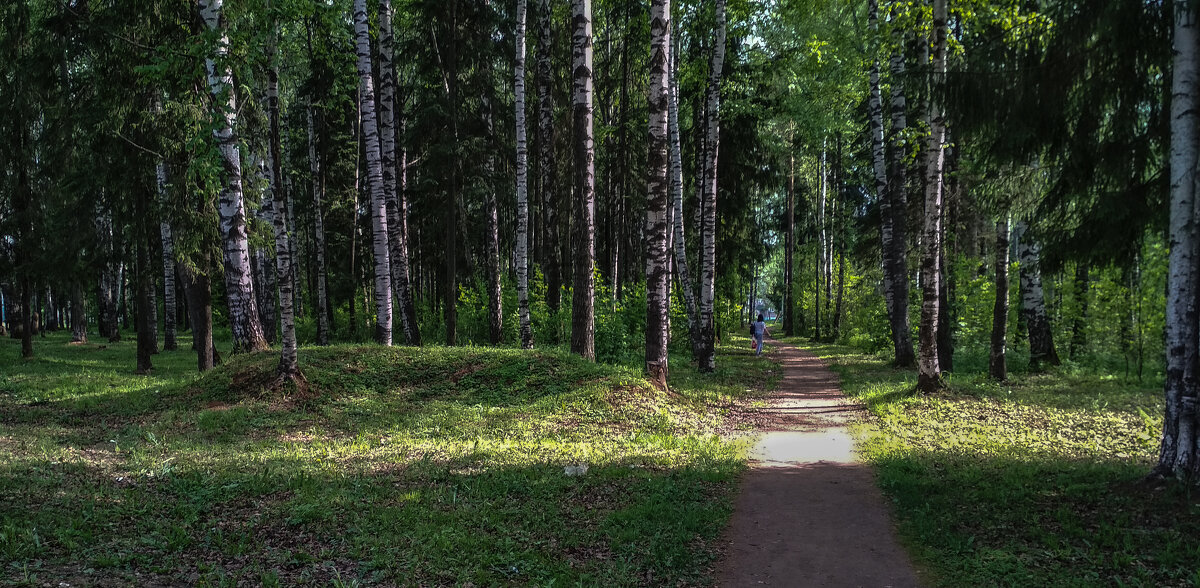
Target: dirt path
808,513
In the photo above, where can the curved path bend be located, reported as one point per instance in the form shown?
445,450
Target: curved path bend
808,513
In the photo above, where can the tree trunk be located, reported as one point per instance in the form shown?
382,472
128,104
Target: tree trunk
547,166
168,260
199,300
146,327
380,248
492,216
841,279
1033,301
997,365
929,376
708,245
522,248
262,259
397,243
239,285
289,368
583,301
789,303
450,288
78,315
318,189
686,284
1179,453
658,269
898,200
1079,325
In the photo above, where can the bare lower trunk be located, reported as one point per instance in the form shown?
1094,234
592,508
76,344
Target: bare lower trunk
522,248
239,285
930,371
146,327
492,216
379,230
1179,453
583,311
318,188
78,315
199,300
1033,302
168,261
686,283
658,303
708,245
997,365
397,242
898,204
547,166
289,368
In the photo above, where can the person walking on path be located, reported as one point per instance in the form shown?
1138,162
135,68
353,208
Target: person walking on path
758,330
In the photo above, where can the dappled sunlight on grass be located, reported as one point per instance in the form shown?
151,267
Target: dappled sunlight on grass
395,465
1030,482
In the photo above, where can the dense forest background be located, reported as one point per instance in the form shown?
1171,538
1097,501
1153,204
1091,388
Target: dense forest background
890,175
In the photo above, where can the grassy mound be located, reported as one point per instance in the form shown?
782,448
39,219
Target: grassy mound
1034,482
429,466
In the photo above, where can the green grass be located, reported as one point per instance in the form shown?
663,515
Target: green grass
1033,482
432,466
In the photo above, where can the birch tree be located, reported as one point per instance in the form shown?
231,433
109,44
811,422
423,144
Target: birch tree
658,200
547,164
370,124
314,168
997,364
397,243
686,285
168,257
492,236
1179,453
522,252
583,301
289,368
898,205
929,376
708,236
239,285
1033,301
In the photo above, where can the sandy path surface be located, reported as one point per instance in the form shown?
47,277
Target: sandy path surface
808,512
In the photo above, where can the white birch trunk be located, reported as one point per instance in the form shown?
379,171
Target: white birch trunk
898,198
492,213
239,285
658,198
398,254
289,368
547,164
1179,454
314,167
366,84
708,245
168,259
929,376
686,285
997,362
1033,300
583,309
522,253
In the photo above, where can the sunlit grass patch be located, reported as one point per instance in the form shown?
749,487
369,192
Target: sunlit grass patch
394,465
1030,482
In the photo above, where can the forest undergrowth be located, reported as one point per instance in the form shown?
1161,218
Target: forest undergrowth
410,466
1037,481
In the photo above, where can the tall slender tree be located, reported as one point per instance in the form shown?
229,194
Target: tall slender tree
547,164
708,234
898,206
289,367
522,253
318,188
370,123
397,244
1033,301
658,270
997,364
929,376
686,285
583,301
239,285
1179,453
